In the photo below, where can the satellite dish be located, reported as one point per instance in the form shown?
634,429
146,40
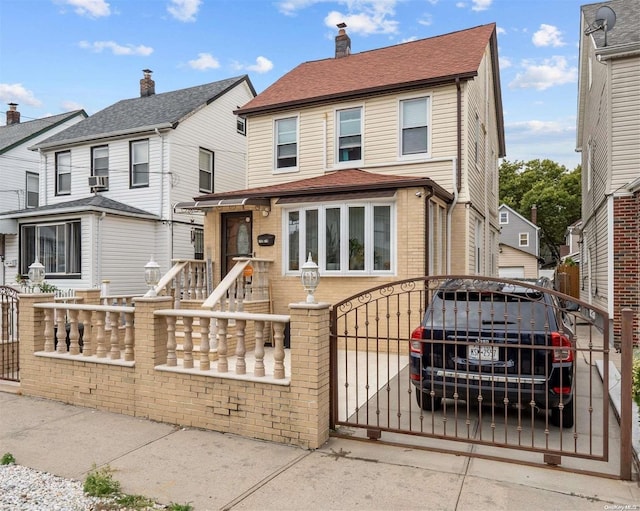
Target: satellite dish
605,21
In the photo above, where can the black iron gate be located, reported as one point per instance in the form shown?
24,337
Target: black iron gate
484,367
9,342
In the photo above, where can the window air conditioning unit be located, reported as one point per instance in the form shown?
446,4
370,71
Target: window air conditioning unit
98,182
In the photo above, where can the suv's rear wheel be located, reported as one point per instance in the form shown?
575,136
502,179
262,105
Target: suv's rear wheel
563,417
426,403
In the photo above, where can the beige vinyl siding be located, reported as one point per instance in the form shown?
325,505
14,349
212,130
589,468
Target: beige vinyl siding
380,140
625,129
511,257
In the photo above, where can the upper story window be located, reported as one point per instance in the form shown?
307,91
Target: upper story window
205,166
504,217
414,121
241,125
523,239
139,166
100,161
57,246
345,239
286,143
33,190
349,135
63,173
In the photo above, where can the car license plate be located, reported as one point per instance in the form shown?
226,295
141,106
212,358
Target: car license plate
483,352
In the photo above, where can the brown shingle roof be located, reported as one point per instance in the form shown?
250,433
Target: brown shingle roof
340,181
427,61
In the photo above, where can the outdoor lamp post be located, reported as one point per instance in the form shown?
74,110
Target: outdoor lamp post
36,274
151,276
310,277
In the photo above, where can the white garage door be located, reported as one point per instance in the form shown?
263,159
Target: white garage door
511,272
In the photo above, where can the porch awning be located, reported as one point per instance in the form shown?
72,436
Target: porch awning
217,203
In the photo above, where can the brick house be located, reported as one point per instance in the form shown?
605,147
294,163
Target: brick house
382,165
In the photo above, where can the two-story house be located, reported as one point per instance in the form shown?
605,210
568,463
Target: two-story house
608,136
109,183
19,169
519,245
382,165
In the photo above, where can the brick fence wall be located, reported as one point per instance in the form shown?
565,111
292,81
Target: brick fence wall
296,412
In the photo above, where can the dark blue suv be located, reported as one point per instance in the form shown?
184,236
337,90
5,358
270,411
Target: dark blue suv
491,342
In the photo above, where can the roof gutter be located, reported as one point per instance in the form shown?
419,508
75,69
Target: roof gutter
95,136
349,95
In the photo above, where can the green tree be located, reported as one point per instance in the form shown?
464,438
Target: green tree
555,191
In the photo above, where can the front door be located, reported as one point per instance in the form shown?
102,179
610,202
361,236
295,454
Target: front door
236,238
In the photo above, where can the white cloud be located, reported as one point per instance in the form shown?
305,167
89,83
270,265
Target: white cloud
547,128
481,5
68,106
184,10
204,61
365,23
262,65
90,8
552,72
116,49
548,35
289,7
505,62
426,20
16,93
536,139
501,31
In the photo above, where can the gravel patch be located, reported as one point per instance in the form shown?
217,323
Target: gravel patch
26,489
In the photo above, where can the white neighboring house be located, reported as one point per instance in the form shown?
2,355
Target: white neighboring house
519,245
19,171
608,136
108,185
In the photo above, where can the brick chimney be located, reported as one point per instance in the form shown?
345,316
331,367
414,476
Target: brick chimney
343,42
534,214
147,85
13,116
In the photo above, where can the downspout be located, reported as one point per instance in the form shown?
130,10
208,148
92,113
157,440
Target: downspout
99,250
162,201
427,232
456,171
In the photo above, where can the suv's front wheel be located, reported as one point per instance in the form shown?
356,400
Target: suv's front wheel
563,417
426,402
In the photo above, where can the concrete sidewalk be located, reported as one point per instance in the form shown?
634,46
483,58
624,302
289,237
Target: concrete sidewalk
220,471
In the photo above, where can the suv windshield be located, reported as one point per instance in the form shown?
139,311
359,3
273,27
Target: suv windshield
473,310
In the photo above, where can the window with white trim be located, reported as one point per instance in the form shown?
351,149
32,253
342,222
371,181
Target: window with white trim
286,143
523,239
349,143
205,169
414,121
57,246
100,161
33,190
504,217
139,167
345,239
63,173
241,125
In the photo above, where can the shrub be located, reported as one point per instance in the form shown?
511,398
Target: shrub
635,383
7,459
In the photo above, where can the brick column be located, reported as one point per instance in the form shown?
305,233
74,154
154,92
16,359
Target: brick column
150,334
309,330
31,335
88,296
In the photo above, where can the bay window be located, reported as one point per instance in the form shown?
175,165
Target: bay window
350,239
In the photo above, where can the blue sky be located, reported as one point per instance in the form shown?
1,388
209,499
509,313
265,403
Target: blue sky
60,55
